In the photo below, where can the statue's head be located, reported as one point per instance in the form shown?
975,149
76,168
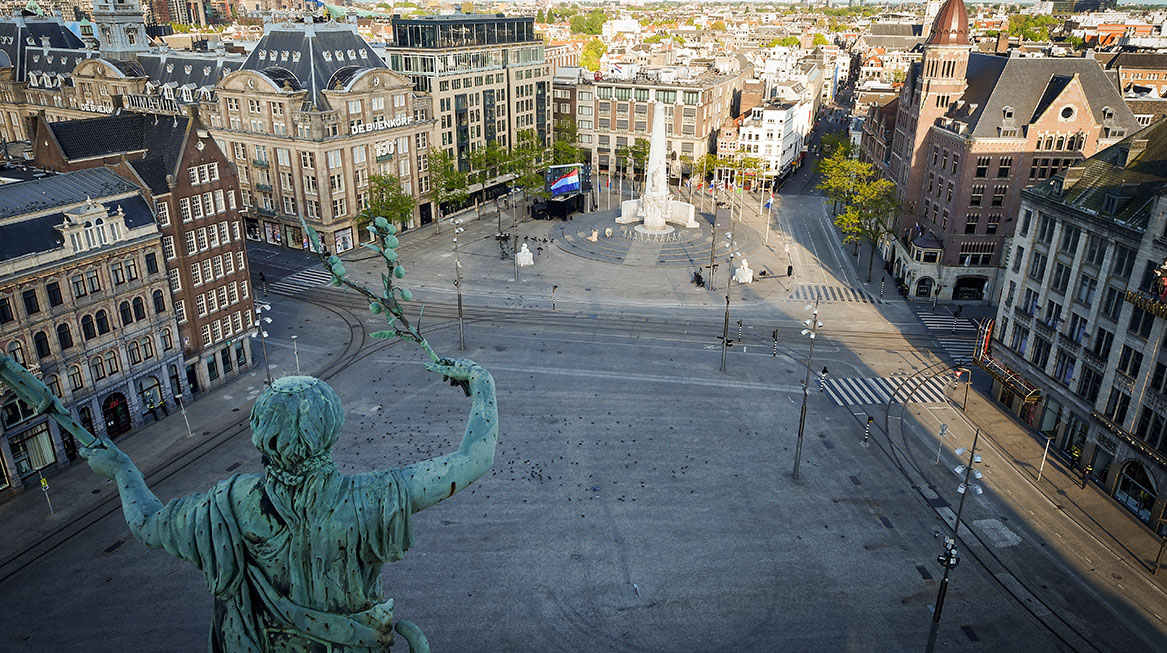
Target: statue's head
294,423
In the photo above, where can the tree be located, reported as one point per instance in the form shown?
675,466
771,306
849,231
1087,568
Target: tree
564,148
837,176
540,17
819,39
790,42
832,142
528,159
387,199
590,57
448,182
869,210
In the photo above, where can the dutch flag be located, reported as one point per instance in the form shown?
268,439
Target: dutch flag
770,200
567,183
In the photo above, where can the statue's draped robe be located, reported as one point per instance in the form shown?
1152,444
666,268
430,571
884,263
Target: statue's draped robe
293,568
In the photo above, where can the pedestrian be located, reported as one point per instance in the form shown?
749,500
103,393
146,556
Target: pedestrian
1086,472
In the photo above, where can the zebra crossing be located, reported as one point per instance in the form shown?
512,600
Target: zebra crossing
863,391
958,343
943,322
301,281
827,293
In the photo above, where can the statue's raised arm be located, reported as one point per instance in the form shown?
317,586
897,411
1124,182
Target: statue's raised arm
430,481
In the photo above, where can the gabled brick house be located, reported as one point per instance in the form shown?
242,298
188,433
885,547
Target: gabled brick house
194,191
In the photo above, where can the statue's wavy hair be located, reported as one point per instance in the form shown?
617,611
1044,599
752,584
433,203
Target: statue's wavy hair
294,423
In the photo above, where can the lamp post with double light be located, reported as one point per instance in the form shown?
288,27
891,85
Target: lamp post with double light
730,244
261,333
458,285
812,327
949,558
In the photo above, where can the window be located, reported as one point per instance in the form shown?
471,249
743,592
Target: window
1112,302
168,247
6,309
1130,361
1070,237
97,368
307,159
31,306
1020,340
999,196
1061,278
1004,167
1053,313
1095,250
167,340
40,343
333,159
1030,303
970,223
76,381
1087,286
180,311
93,281
1103,340
1077,328
1045,228
1037,267
1041,349
126,314
64,336
1124,262
102,322
1141,322
982,167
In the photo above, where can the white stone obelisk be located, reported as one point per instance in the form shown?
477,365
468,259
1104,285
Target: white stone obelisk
656,206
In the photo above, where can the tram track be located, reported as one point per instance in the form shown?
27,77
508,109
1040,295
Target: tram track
900,455
354,351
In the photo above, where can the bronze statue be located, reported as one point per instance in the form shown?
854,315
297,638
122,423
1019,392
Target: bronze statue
294,555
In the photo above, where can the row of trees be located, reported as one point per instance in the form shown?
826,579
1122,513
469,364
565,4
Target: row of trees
868,202
523,164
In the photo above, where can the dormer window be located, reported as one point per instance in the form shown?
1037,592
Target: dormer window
1067,113
1107,113
1110,203
1007,113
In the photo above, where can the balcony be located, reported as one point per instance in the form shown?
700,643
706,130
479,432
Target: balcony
1044,329
265,212
381,158
1092,357
1022,315
264,187
261,163
1067,343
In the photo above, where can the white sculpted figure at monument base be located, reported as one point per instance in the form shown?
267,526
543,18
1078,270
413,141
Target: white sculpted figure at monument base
656,206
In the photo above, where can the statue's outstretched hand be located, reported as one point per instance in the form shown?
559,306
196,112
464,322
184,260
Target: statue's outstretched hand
458,371
105,459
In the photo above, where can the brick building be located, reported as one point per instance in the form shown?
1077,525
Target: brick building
972,131
193,189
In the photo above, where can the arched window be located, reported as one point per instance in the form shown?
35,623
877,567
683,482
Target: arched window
40,342
167,340
97,367
87,329
111,361
65,337
54,383
16,351
159,302
102,322
76,381
147,348
135,351
139,309
126,315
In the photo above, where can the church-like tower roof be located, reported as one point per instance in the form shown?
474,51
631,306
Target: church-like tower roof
951,26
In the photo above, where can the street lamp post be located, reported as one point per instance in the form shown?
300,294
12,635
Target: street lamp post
813,326
458,285
728,282
260,309
182,407
949,558
296,353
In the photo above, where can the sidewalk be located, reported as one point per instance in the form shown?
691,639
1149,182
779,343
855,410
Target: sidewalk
76,490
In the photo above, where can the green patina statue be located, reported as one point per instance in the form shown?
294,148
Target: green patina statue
294,555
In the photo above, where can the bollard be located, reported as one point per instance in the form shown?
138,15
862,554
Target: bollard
774,353
823,379
739,330
881,284
867,429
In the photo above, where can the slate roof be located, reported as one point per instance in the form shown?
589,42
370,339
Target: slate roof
1026,83
160,136
23,35
42,68
1138,60
39,234
1139,182
187,68
313,53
